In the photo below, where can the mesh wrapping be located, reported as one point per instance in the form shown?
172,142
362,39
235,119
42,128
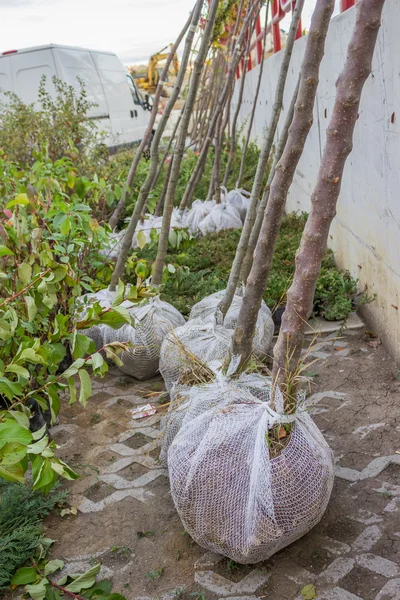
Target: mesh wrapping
231,497
197,213
153,322
180,406
222,216
206,308
205,341
240,199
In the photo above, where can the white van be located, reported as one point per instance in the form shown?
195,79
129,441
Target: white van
120,112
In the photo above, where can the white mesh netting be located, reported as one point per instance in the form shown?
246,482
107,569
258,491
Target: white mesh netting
105,298
231,496
205,310
205,341
183,405
240,199
197,213
153,321
222,216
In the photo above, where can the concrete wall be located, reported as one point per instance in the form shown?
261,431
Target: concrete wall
365,234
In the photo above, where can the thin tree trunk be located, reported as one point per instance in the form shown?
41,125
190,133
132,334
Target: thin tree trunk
160,204
147,135
188,195
217,161
255,232
144,190
301,125
262,164
180,144
236,114
211,185
167,151
253,110
146,186
339,143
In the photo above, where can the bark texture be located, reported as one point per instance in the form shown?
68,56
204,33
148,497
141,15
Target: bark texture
232,145
339,143
262,164
255,232
236,54
147,135
180,144
301,124
145,189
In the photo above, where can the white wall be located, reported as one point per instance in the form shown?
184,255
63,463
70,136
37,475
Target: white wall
365,234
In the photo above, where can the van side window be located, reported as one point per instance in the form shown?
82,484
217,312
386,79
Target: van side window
134,92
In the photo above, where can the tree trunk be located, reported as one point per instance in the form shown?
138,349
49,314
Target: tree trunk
167,151
236,113
144,190
255,232
180,144
190,188
302,121
253,109
160,204
147,135
339,143
262,164
217,160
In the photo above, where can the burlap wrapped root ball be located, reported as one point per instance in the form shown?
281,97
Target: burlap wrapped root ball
186,402
206,310
231,496
186,348
153,321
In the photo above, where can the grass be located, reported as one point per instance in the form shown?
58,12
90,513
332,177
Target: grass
209,261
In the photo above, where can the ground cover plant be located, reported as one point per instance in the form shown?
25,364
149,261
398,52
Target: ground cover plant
203,268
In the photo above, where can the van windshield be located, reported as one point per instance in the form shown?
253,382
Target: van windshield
135,94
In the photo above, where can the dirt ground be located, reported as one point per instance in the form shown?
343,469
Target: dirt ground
126,516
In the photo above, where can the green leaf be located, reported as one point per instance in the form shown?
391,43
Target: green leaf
18,370
38,447
81,345
52,566
11,431
24,273
24,575
116,317
13,473
97,360
72,390
20,200
141,239
84,581
119,294
309,592
86,386
38,591
74,368
4,251
31,308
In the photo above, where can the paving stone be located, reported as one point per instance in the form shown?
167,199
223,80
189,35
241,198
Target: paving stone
367,539
215,583
374,468
379,565
209,559
338,569
390,591
364,430
119,483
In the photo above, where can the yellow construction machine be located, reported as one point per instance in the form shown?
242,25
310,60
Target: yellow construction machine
149,81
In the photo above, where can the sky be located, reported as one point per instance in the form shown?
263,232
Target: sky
133,29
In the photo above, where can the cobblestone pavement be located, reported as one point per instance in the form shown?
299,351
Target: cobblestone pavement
126,516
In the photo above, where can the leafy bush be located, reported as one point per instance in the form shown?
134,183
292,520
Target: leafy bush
60,124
